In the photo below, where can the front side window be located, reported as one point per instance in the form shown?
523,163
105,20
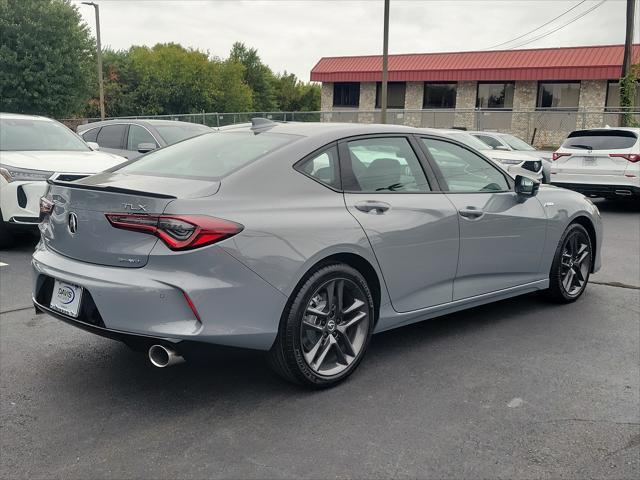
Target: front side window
111,136
495,95
439,95
395,94
346,94
490,141
138,135
210,156
23,134
560,95
463,170
383,165
323,168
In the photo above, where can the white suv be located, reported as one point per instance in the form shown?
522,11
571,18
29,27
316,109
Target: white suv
32,149
601,162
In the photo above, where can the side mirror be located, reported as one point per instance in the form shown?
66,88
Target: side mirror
501,147
93,146
146,147
526,187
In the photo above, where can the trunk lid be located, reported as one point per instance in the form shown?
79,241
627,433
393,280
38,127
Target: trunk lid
78,228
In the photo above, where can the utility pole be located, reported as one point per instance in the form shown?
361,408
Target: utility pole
385,65
628,41
99,48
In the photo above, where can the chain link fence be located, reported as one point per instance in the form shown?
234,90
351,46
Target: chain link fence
542,128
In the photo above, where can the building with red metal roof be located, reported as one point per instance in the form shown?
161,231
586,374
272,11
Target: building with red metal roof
574,86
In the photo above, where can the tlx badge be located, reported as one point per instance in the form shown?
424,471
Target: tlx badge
132,207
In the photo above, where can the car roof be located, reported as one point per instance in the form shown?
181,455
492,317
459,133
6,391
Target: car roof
608,129
17,116
139,121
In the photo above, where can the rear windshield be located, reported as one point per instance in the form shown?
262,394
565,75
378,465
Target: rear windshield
210,156
176,133
600,139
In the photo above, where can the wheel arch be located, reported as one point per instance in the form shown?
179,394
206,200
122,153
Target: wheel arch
591,230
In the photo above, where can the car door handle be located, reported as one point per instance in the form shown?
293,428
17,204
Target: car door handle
471,213
373,207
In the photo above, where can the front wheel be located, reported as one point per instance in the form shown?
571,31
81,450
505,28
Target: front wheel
571,265
326,329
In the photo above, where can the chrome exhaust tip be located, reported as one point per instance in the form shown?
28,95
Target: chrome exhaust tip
161,356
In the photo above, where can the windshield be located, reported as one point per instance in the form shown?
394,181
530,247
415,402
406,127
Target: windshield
210,156
600,139
469,140
517,143
27,134
176,133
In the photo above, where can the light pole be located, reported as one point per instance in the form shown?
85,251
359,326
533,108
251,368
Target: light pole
385,64
99,47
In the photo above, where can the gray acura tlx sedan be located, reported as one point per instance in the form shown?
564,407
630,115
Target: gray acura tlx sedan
302,240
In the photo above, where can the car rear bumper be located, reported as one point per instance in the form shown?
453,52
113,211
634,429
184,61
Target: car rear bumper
233,306
599,185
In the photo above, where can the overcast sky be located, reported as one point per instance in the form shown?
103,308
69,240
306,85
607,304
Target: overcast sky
293,35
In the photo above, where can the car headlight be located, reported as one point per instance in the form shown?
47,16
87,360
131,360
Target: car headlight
509,161
12,174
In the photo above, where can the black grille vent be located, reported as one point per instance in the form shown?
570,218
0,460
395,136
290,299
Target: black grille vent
22,197
533,166
70,177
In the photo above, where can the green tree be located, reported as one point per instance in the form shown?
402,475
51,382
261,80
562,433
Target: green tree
627,96
232,93
46,58
292,95
257,75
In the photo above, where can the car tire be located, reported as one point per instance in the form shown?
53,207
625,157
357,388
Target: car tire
7,237
571,266
322,336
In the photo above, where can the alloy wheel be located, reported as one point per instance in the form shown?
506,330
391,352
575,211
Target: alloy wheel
575,263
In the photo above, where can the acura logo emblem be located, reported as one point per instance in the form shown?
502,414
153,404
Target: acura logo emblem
73,223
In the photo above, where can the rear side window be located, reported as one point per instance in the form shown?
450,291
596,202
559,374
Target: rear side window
91,135
492,142
111,136
600,139
323,168
209,156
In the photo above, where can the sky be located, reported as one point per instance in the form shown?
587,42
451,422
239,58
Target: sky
293,35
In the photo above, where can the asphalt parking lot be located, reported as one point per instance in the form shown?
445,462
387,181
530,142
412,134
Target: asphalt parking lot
517,389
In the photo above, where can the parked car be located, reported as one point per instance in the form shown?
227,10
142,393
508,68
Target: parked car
599,162
302,240
32,149
132,138
510,143
516,163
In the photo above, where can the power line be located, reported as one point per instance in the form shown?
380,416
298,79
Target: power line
546,34
537,28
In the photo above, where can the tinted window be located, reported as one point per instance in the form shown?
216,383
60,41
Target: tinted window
558,95
613,94
463,170
517,143
180,131
138,135
439,95
600,139
395,94
111,136
90,135
20,134
383,165
208,156
495,95
468,139
346,94
492,142
323,167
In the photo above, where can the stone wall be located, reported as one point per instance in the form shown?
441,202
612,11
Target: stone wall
524,100
466,99
326,97
367,102
593,95
414,96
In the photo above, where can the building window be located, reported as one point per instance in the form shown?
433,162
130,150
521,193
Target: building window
439,95
495,95
558,95
346,94
613,95
395,94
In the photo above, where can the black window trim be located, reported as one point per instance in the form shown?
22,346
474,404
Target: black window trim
424,95
505,82
557,109
432,180
316,153
357,104
442,181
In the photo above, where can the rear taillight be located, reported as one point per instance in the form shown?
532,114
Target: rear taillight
632,157
46,207
557,155
179,232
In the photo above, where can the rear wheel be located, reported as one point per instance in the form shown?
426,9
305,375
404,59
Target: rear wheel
326,329
571,265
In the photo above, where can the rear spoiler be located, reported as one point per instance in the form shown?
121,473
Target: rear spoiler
79,186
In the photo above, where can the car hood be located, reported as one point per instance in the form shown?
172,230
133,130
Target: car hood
67,162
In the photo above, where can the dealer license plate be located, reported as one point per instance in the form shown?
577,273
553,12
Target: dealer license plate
66,298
